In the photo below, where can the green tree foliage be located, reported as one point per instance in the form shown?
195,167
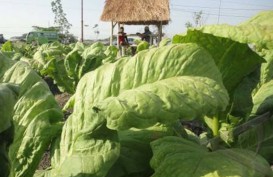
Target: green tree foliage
60,16
51,28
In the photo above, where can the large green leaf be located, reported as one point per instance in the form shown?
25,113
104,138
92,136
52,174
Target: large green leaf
164,42
85,135
242,97
256,135
148,71
148,67
5,64
72,64
44,54
48,60
82,60
143,45
8,94
35,113
90,151
8,98
252,85
243,75
258,31
263,99
177,157
56,70
86,148
91,58
111,53
263,19
234,60
135,152
164,101
266,72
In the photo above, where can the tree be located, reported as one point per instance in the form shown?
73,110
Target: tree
198,20
60,17
188,24
51,28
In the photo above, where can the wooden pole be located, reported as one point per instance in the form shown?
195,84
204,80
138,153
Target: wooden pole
112,33
159,32
117,35
81,20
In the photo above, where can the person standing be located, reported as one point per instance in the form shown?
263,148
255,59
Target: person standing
122,37
122,41
146,36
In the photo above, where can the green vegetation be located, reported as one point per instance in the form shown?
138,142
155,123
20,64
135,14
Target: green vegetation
34,113
128,113
60,17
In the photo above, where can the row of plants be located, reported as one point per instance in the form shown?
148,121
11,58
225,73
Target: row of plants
127,112
65,64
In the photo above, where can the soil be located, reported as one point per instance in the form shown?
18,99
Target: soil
45,162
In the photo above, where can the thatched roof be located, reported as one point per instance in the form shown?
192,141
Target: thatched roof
136,11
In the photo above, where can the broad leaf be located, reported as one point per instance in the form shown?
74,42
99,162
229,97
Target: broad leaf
143,45
72,64
252,87
164,42
91,58
56,70
35,112
8,98
85,135
49,61
164,101
266,72
177,157
263,99
148,67
111,53
8,95
256,135
242,103
253,31
135,153
234,60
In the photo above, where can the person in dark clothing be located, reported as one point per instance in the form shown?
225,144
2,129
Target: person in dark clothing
146,36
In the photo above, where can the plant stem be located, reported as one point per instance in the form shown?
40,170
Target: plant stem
215,126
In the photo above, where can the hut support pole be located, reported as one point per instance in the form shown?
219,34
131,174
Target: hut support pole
117,35
159,32
81,21
112,32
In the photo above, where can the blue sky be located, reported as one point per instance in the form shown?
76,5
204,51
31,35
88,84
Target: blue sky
18,17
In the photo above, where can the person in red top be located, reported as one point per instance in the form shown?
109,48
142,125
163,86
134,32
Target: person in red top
122,37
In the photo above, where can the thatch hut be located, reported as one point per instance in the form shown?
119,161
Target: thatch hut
136,12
